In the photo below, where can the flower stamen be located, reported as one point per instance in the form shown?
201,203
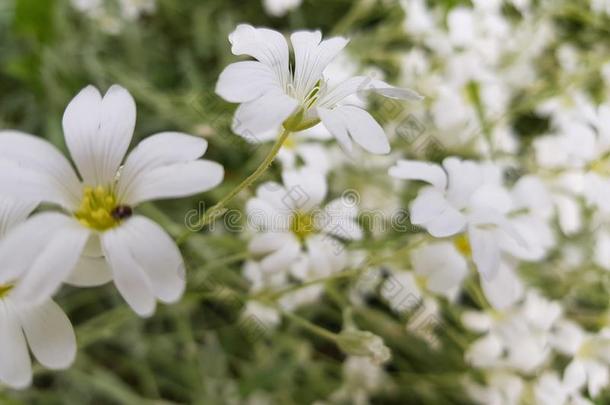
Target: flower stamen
5,289
302,225
100,210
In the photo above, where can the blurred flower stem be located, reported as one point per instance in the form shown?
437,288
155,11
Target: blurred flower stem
315,329
220,208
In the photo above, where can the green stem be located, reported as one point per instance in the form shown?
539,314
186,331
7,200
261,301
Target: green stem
220,207
323,333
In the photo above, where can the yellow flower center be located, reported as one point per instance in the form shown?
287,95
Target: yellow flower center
302,225
100,210
421,281
601,167
462,244
5,289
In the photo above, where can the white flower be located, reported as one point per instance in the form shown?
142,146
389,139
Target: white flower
551,390
279,8
295,234
500,388
97,237
469,200
516,338
41,326
273,93
590,354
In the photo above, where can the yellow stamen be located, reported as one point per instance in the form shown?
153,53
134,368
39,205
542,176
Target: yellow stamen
462,244
601,167
302,225
96,208
5,289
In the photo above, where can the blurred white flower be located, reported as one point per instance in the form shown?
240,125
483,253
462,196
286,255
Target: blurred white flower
113,19
98,238
279,8
273,93
501,388
590,357
296,235
42,326
516,338
468,200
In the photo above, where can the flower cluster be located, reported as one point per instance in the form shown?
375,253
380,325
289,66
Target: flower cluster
90,234
501,275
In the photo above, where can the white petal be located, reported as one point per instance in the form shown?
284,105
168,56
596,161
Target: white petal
311,56
157,254
441,264
339,219
335,124
569,213
306,188
485,351
477,321
16,366
281,259
424,171
254,119
485,251
503,289
174,181
464,177
575,375
21,247
492,196
276,196
52,265
98,132
361,85
360,126
90,272
598,378
343,90
245,81
262,216
159,150
535,238
320,253
432,211
13,212
129,277
38,166
267,46
386,90
49,334
450,222
268,242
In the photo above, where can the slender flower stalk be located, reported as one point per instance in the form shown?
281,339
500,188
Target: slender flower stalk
220,207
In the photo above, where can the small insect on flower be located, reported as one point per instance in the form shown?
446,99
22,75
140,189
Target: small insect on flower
100,239
122,212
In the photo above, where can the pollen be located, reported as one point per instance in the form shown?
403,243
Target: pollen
302,225
601,167
462,244
99,209
5,289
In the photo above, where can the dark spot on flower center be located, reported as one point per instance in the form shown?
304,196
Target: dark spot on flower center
121,212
